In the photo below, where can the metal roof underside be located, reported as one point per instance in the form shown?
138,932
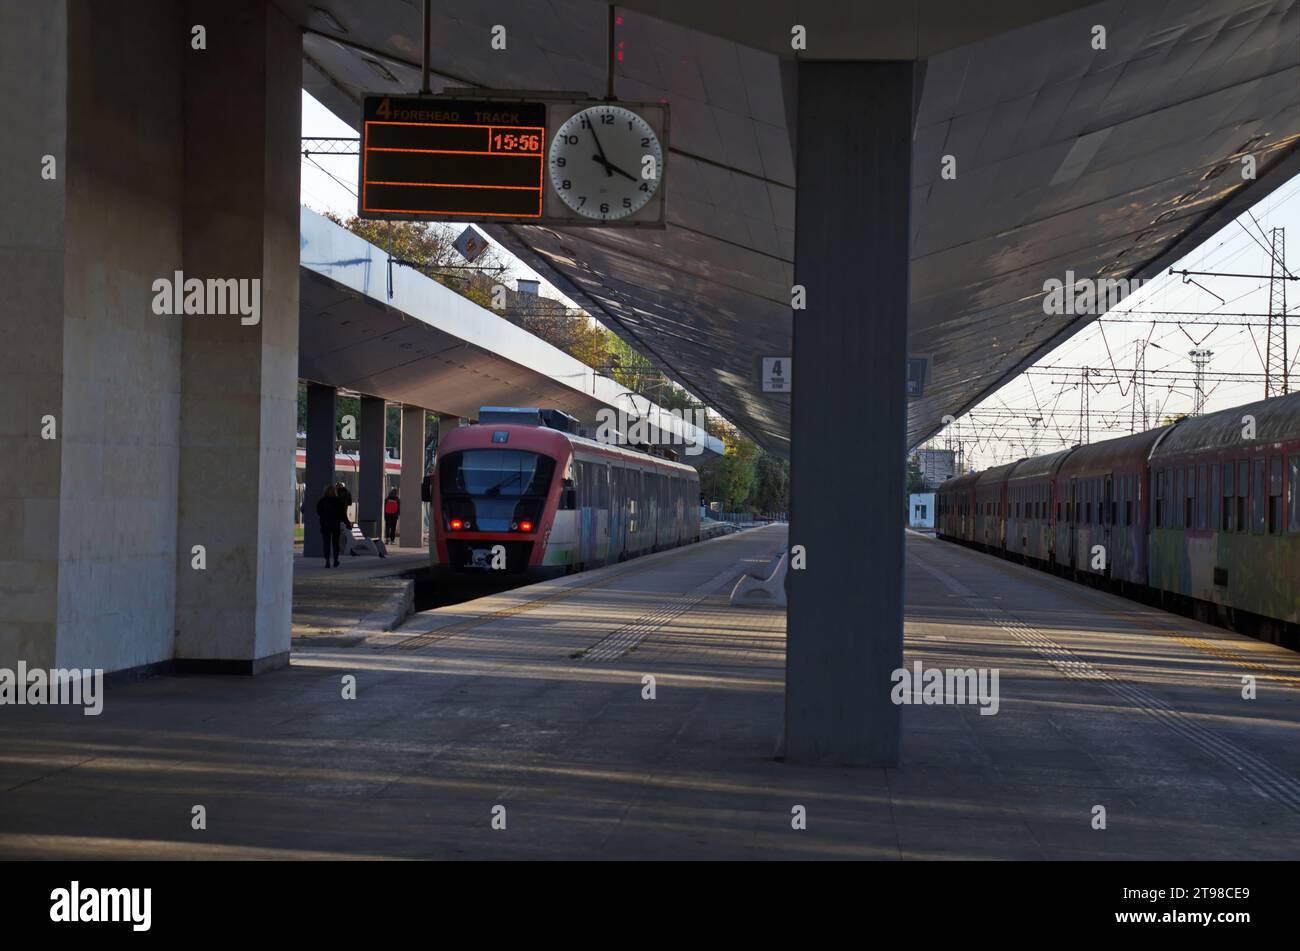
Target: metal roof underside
1107,163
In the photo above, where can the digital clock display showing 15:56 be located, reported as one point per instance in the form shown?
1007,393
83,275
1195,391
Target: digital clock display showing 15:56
516,142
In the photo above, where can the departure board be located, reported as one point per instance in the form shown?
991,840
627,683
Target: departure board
452,159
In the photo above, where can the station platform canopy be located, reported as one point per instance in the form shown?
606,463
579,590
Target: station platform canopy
1110,163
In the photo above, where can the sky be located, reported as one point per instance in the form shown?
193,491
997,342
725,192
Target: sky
1003,428
1041,411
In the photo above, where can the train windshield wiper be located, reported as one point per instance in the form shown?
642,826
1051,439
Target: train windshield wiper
496,489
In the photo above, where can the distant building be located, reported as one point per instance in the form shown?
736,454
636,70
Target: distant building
937,465
920,510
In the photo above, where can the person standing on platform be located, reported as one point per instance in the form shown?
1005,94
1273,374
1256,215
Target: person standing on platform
345,499
330,512
392,508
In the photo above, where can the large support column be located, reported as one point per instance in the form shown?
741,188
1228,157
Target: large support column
446,424
242,98
852,244
370,481
322,416
410,524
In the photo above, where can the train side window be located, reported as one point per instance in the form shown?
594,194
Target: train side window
1243,493
1275,495
1257,490
1293,493
1202,494
1225,490
1177,502
1189,500
1214,498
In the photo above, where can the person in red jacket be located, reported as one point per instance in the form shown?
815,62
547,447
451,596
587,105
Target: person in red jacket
392,508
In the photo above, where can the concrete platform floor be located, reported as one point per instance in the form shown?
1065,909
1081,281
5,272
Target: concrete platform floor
533,700
332,602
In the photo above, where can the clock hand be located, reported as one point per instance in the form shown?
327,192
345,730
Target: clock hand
602,160
610,168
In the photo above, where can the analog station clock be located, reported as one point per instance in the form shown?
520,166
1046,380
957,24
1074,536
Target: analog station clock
605,162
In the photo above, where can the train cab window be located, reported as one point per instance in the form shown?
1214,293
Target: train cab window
1202,494
1275,495
1293,493
493,486
1257,490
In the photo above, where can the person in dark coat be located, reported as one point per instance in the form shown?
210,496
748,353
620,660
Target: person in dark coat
332,516
392,508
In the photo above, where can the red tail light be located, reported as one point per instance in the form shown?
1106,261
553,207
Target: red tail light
525,526
457,524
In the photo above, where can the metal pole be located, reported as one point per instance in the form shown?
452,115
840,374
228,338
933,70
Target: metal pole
425,88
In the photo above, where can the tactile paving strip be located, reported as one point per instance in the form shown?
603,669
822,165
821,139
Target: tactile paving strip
617,643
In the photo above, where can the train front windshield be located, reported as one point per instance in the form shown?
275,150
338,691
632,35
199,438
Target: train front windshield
494,490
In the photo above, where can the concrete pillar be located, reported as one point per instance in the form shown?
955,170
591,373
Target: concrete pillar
848,412
410,524
447,423
34,68
370,481
322,415
242,100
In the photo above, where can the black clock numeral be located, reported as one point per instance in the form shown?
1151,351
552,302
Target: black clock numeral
604,207
582,200
585,124
565,185
561,161
607,119
645,142
571,140
645,186
627,202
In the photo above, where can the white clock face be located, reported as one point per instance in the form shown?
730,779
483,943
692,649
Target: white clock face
605,162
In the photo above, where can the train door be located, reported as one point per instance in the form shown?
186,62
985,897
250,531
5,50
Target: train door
1002,518
1107,521
617,514
1072,521
603,512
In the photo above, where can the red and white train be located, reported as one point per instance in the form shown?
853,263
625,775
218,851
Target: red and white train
555,502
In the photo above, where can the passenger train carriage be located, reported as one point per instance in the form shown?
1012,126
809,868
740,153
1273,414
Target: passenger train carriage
556,502
1201,516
